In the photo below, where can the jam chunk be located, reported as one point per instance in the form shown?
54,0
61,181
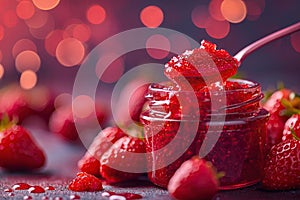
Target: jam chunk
202,66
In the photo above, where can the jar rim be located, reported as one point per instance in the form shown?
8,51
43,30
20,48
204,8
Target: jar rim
262,114
170,87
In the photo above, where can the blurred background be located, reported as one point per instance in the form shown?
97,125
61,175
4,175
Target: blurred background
44,42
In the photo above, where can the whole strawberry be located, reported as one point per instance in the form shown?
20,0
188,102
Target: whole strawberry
137,102
14,103
281,105
18,150
292,124
194,179
85,182
90,163
120,155
282,168
62,122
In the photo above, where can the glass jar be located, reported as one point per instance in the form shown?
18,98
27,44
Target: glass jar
226,127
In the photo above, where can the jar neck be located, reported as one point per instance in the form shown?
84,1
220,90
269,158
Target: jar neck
239,98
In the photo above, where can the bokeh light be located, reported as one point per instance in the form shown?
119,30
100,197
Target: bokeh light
234,11
295,41
45,4
38,20
83,106
1,71
10,18
22,45
96,14
44,98
254,8
28,79
152,16
25,9
214,8
158,46
200,15
63,99
114,70
217,29
1,32
28,60
52,40
70,52
82,32
42,32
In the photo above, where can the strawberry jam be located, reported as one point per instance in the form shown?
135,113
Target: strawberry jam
200,66
224,123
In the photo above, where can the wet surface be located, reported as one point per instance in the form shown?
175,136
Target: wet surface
61,168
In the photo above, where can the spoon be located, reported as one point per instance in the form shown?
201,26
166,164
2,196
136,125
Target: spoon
242,54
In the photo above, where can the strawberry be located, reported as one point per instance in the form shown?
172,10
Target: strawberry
20,103
194,179
90,163
120,155
85,182
137,102
281,105
292,124
18,150
62,122
13,102
282,168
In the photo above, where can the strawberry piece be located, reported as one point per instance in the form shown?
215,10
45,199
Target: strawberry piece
194,179
117,156
200,65
85,182
292,124
18,150
90,163
282,168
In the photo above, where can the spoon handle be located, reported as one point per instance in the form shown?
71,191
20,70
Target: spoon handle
242,54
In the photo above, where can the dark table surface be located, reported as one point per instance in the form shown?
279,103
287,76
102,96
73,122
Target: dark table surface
61,167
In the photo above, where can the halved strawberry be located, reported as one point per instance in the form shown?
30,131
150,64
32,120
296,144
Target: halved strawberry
103,141
194,179
18,150
120,154
85,182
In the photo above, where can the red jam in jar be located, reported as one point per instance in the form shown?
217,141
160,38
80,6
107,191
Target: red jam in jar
226,126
